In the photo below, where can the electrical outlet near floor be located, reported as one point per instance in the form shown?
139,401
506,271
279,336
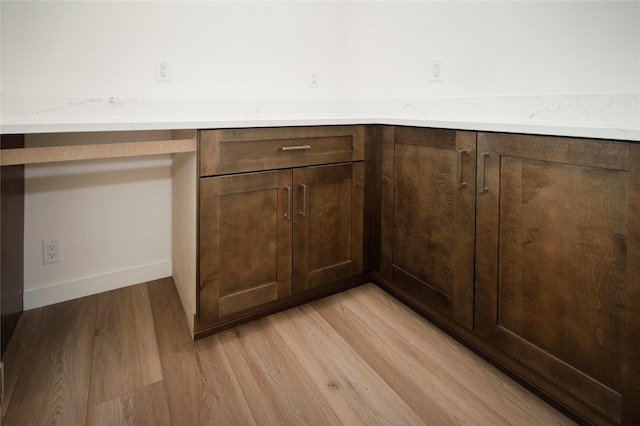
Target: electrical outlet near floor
51,251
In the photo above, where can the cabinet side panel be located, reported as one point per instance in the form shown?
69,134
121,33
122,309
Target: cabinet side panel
184,231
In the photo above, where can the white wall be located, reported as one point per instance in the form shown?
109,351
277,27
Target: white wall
114,216
493,48
216,49
362,49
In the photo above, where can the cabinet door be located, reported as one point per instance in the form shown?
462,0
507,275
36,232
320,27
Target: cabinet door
328,224
245,241
557,260
428,205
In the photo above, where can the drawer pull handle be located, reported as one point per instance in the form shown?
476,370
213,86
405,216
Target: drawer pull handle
287,214
483,156
303,212
295,147
461,153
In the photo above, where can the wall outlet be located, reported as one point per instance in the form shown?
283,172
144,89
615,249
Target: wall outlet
51,252
437,69
163,71
314,81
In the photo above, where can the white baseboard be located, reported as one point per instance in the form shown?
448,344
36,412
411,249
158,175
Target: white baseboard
62,292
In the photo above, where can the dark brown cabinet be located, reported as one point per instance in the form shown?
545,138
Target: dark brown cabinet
529,248
525,247
557,259
428,213
266,235
328,224
245,242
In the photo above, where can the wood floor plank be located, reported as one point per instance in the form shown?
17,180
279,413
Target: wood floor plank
354,390
201,387
17,353
458,379
222,397
359,357
487,382
144,406
405,372
169,318
276,387
125,355
54,387
177,355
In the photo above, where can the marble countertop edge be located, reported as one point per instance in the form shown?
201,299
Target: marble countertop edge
106,124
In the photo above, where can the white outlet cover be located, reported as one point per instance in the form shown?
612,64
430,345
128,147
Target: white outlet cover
314,81
51,251
163,70
436,69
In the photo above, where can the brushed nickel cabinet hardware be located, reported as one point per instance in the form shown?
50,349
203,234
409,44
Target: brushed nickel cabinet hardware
483,156
287,214
295,147
303,212
461,153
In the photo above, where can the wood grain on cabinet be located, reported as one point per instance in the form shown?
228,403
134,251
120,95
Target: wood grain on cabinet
328,224
428,217
245,241
631,334
226,151
553,259
268,234
372,194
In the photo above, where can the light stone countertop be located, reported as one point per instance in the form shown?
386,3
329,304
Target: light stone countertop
610,116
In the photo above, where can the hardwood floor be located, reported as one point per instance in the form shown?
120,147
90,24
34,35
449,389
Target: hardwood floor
359,357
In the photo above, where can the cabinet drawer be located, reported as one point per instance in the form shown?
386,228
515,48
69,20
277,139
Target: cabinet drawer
243,150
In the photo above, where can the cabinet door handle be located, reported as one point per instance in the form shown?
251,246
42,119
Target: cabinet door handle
461,153
287,214
483,157
295,147
303,212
